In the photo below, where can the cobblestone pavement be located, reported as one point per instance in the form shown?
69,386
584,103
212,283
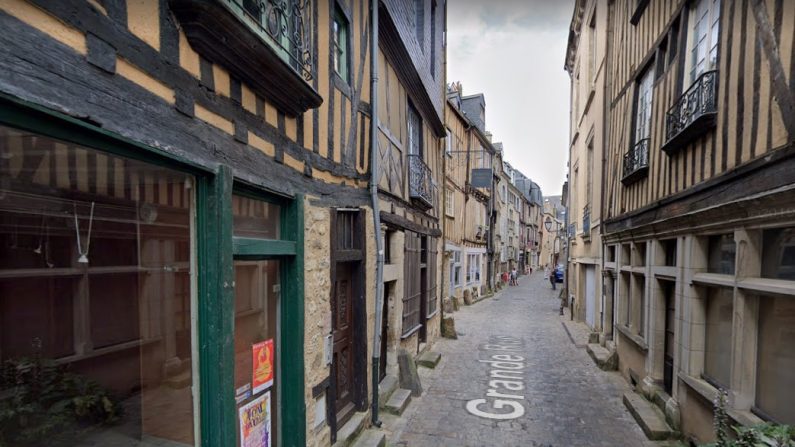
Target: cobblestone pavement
567,401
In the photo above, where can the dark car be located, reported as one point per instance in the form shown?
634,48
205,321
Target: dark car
558,273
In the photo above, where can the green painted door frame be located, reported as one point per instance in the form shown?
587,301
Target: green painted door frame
215,249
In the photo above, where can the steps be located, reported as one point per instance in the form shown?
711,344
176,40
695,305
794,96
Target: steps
371,438
604,359
650,418
386,387
429,359
398,402
348,432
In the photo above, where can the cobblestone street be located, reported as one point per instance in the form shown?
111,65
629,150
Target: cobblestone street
567,400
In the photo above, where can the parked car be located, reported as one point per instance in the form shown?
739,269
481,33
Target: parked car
559,273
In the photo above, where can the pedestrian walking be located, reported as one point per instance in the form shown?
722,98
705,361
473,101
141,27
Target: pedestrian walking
514,277
546,272
552,279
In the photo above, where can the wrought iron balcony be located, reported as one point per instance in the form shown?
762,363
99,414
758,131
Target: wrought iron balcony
693,113
266,44
586,221
636,162
421,185
284,24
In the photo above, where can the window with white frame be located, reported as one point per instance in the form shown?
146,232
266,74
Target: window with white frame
643,106
449,202
703,38
473,268
455,270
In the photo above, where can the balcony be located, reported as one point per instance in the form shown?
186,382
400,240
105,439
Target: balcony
586,222
266,44
421,186
693,114
636,162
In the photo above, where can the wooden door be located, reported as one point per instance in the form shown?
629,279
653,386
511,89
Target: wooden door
342,326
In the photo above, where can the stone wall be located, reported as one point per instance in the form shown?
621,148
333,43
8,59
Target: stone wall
317,314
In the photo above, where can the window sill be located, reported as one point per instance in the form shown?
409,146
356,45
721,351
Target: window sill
432,314
411,332
634,338
742,417
714,279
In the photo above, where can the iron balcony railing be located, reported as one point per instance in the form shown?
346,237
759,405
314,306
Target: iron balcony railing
421,185
693,113
285,24
636,162
586,221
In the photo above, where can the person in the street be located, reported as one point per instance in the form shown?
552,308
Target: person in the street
552,279
514,277
546,272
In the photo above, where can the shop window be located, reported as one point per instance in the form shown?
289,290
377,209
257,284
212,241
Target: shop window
256,218
722,251
718,336
778,253
455,270
95,283
775,382
257,295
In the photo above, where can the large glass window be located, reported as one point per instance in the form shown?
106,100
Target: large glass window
778,253
95,297
340,44
257,298
722,250
775,381
718,336
643,107
704,44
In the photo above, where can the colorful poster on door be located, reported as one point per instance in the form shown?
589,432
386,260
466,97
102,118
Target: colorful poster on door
255,422
262,365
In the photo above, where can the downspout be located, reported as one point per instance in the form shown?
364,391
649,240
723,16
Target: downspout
379,242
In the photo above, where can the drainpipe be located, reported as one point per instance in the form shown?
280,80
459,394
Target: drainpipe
379,242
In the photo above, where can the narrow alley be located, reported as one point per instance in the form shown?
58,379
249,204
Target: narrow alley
567,400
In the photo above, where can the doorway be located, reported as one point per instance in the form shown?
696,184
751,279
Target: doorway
590,296
670,315
342,330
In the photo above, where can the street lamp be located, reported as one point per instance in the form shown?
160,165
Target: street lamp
548,224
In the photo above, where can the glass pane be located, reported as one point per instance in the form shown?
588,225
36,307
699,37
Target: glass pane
256,218
257,294
95,287
778,253
775,382
717,355
721,254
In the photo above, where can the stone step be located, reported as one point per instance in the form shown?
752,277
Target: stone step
371,438
348,432
602,357
429,359
398,402
650,419
386,387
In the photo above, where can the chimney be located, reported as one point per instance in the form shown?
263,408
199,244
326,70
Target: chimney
488,136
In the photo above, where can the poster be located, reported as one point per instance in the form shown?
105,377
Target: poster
255,422
262,365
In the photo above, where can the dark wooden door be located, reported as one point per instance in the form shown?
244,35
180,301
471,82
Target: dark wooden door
384,322
342,321
670,315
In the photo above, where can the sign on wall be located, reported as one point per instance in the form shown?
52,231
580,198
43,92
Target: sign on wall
481,178
262,365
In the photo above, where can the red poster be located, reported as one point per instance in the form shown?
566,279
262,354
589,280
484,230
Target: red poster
262,365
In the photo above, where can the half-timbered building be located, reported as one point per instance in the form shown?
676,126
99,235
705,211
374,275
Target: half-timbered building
697,217
184,212
468,154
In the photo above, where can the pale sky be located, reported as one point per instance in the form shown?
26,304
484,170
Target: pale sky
513,51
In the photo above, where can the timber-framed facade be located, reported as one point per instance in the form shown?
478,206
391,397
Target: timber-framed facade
697,212
189,183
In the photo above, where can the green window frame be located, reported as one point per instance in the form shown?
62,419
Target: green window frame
214,250
340,42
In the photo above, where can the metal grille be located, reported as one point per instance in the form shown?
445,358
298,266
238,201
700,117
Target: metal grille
412,289
699,100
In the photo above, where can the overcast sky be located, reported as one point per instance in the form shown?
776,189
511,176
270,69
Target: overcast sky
513,51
